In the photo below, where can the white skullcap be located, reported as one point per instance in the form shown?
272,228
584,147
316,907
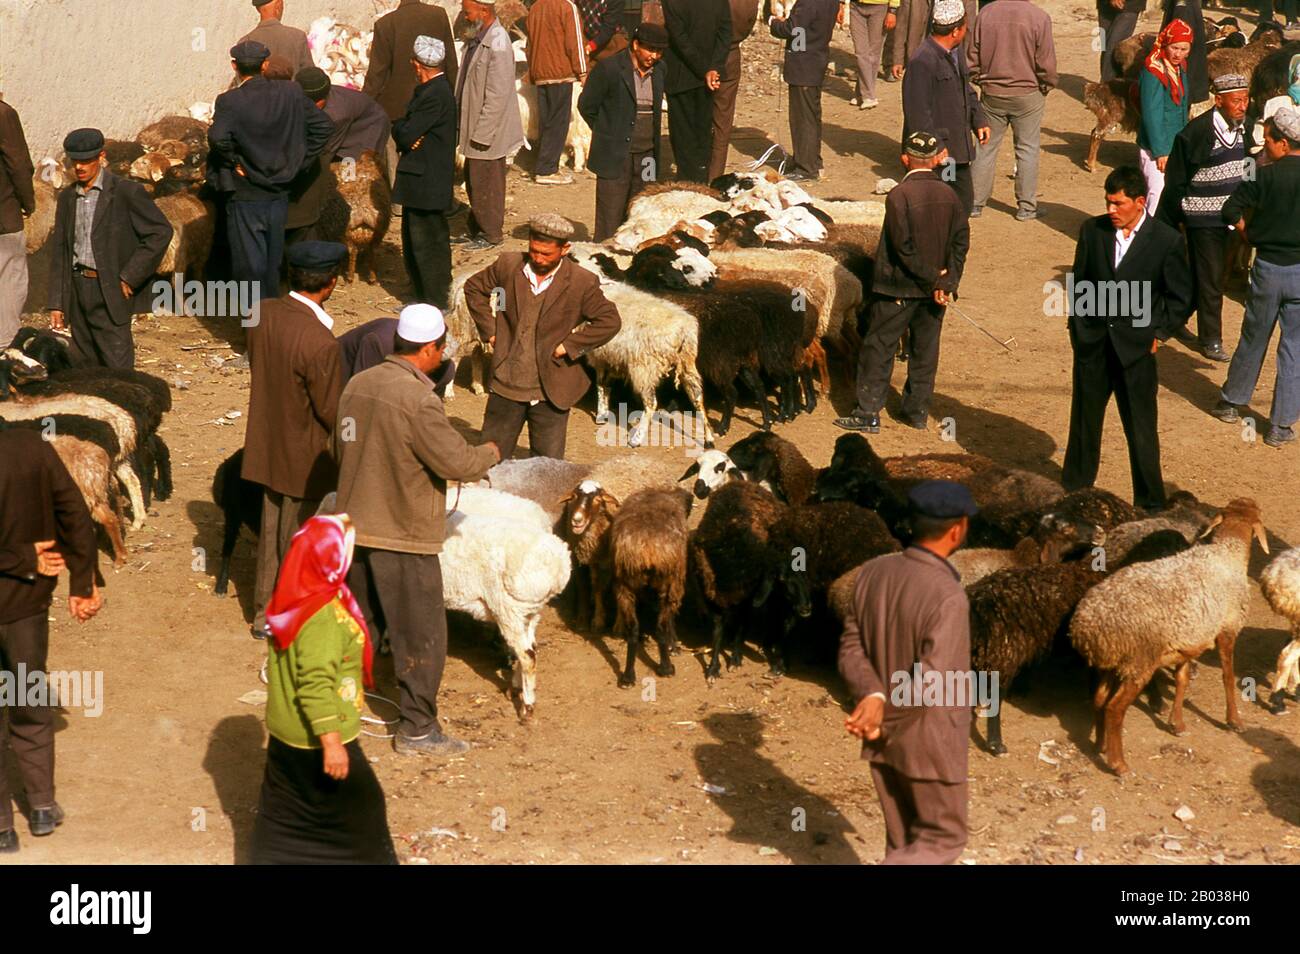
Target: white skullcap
430,51
948,12
420,324
1287,121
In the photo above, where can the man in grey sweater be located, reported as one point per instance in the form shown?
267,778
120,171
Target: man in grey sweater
1013,62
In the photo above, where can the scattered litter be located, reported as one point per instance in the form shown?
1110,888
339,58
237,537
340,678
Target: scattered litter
1078,854
768,850
1172,845
443,833
254,697
1046,750
883,186
1184,814
1066,820
714,789
234,415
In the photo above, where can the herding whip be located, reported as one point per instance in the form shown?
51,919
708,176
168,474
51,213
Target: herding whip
1006,344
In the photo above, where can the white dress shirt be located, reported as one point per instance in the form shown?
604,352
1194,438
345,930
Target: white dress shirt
1122,242
316,309
539,283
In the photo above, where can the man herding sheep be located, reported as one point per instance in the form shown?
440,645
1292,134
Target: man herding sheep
910,620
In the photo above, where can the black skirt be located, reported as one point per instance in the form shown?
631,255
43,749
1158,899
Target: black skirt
305,817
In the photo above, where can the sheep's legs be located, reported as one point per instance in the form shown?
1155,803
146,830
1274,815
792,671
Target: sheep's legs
1226,642
162,456
131,482
755,384
602,396
478,361
666,636
714,668
582,598
729,398
627,625
1113,753
638,435
1094,144
1181,676
993,729
737,656
229,538
690,379
1101,693
809,393
104,515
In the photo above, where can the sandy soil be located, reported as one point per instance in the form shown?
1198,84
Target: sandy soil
170,772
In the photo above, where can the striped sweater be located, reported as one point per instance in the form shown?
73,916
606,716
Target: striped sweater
1211,184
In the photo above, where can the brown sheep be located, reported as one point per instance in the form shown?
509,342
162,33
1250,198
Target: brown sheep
765,457
588,512
191,132
192,221
364,186
38,226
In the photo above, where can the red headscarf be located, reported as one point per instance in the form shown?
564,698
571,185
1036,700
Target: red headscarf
1159,66
313,572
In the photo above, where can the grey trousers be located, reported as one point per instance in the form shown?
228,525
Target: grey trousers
806,128
867,27
925,820
485,181
1274,300
13,284
281,518
1024,114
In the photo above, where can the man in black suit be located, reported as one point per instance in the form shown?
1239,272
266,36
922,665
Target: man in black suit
1129,286
699,42
807,34
622,103
263,134
1116,19
108,240
426,142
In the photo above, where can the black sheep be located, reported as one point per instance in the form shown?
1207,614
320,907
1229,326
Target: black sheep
240,501
766,457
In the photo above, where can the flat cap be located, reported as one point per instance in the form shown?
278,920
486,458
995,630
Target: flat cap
316,256
1287,121
420,324
942,499
921,145
83,144
249,53
1230,83
551,225
430,51
313,81
652,36
948,12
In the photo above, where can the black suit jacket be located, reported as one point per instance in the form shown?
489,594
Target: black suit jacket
129,237
938,98
1155,266
272,130
813,21
424,175
699,40
1190,152
608,104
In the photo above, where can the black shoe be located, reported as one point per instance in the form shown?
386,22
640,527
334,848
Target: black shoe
1185,336
463,239
8,842
920,423
43,821
435,743
1277,436
480,244
1225,412
1214,351
800,176
902,357
869,424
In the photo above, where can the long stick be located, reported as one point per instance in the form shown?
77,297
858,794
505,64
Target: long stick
1006,344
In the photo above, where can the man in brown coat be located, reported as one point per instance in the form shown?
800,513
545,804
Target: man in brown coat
744,14
910,628
17,200
540,313
286,42
297,376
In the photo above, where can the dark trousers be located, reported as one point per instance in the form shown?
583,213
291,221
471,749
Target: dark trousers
724,113
302,233
1098,373
554,107
925,819
256,233
1208,254
1115,29
485,182
426,249
690,130
958,175
281,517
806,128
95,337
400,595
613,195
547,426
890,317
28,730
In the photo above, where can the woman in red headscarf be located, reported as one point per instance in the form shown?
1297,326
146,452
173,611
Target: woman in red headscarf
1162,87
321,802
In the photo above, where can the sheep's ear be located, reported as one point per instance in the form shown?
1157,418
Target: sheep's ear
690,471
1261,536
1209,528
608,501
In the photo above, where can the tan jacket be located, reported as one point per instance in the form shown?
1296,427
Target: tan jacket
910,608
575,313
557,50
297,375
396,452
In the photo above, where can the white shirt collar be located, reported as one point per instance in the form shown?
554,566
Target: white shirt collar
1123,242
537,283
316,309
1226,133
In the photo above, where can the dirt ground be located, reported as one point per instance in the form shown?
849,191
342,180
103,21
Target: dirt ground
750,770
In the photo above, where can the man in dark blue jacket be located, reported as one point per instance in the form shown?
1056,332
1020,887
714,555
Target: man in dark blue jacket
622,103
263,134
807,34
426,143
699,42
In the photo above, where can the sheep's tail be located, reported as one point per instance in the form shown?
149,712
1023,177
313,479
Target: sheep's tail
1288,665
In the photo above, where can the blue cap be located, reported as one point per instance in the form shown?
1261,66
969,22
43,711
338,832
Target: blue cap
249,53
83,144
942,499
316,256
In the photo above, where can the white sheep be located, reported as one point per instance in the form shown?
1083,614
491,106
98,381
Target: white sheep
1280,583
830,286
504,572
462,329
792,225
543,480
491,502
577,140
650,216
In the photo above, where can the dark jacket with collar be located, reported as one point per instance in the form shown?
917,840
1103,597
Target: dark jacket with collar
813,23
1155,264
391,78
424,175
359,124
699,40
938,98
1190,152
925,232
129,236
272,130
17,194
608,104
576,313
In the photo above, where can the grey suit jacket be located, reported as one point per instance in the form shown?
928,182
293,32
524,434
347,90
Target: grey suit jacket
488,103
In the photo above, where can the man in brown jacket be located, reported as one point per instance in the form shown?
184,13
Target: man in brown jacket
297,376
17,200
396,452
909,628
540,313
744,15
557,58
283,41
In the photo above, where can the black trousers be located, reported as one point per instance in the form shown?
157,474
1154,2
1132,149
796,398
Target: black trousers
28,730
554,107
95,337
426,249
1098,373
613,195
889,318
1208,253
400,594
256,233
690,130
485,183
806,128
547,426
957,175
1115,28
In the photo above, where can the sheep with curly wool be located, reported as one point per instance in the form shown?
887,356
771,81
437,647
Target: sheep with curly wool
1166,613
1183,514
462,329
490,502
1280,583
1002,523
836,291
655,214
776,464
1054,536
504,572
544,480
